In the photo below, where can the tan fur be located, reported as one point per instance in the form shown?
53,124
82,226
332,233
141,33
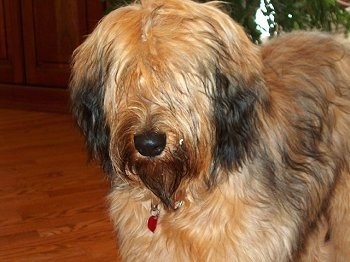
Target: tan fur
181,68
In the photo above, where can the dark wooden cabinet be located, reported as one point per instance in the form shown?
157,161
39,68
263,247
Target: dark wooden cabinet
11,45
37,38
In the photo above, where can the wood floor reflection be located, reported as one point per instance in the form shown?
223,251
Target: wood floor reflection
52,202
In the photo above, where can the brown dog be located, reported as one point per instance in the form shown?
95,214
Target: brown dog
229,152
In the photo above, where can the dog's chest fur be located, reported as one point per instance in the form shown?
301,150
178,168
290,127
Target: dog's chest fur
220,227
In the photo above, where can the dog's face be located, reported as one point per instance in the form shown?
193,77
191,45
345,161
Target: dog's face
165,93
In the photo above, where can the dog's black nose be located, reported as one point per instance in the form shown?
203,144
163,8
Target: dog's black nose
150,143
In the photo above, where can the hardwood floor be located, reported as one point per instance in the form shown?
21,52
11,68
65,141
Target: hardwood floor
52,203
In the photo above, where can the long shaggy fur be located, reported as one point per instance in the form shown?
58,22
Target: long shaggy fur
257,138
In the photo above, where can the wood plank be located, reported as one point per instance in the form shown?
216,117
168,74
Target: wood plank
52,202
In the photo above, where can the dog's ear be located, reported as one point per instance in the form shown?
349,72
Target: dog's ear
87,101
238,91
235,121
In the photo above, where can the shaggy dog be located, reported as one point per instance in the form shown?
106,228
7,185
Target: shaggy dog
218,150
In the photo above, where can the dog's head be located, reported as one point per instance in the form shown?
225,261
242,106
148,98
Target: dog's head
165,92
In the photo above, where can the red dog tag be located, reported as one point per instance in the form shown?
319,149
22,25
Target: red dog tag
152,223
153,219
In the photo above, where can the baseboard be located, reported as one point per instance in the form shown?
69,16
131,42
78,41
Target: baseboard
34,98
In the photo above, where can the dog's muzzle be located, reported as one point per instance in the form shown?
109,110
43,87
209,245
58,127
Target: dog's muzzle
161,170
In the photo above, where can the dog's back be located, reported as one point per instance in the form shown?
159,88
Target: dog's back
309,79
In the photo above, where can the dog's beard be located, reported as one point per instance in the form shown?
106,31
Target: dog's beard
162,174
